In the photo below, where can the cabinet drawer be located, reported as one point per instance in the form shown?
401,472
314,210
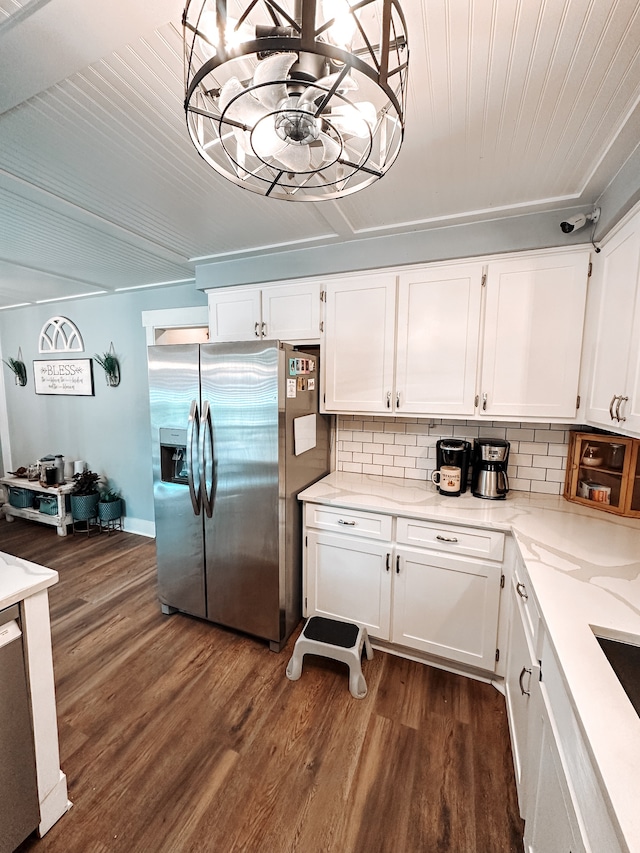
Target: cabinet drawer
470,541
368,524
528,607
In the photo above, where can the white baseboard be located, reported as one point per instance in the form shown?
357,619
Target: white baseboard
140,526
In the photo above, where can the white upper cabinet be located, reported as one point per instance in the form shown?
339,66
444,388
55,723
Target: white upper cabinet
423,363
614,383
359,345
533,336
437,339
287,312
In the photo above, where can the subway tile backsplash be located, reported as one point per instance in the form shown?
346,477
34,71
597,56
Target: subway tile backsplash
407,448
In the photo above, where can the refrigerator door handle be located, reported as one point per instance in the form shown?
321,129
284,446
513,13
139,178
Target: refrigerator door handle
206,433
192,426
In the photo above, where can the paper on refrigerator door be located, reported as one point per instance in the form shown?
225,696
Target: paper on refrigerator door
304,433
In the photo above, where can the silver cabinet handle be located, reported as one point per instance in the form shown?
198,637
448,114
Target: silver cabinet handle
388,563
620,400
613,399
264,330
484,402
522,674
397,399
446,538
388,399
398,564
346,523
256,329
522,591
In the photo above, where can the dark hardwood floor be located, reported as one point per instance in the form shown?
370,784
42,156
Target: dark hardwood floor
176,735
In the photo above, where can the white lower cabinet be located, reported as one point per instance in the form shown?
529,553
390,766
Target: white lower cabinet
551,822
349,578
523,671
446,607
443,604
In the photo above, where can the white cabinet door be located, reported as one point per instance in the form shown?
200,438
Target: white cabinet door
350,579
551,824
288,312
235,314
437,339
616,360
447,607
359,344
523,671
533,336
291,312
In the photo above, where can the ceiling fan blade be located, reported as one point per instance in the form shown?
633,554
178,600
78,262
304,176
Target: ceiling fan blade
294,158
244,108
313,93
331,149
271,70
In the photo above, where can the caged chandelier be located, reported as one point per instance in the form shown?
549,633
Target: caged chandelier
300,100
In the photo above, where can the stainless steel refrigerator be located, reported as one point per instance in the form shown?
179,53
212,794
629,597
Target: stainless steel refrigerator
236,435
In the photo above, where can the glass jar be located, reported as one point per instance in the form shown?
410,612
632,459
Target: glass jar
616,456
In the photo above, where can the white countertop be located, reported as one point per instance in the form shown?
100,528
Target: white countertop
584,566
20,579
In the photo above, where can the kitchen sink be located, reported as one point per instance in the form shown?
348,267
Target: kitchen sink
625,662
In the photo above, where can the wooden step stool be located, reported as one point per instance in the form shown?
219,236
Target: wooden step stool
331,638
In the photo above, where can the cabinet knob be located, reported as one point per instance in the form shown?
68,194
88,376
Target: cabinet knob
522,591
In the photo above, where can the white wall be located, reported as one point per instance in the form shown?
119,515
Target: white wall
110,430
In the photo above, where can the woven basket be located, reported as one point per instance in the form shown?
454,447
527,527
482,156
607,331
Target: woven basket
49,505
20,498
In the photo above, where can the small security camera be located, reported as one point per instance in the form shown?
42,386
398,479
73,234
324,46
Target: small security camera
579,221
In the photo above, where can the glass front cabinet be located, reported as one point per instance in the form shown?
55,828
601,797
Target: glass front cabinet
603,472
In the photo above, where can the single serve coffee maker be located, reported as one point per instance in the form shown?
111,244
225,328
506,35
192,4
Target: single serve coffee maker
452,460
489,476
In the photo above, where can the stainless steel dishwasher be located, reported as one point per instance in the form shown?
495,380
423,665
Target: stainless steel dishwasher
19,808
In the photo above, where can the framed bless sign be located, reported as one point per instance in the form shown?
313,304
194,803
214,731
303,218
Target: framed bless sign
64,376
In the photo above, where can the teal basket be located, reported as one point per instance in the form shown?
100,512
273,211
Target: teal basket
20,498
49,505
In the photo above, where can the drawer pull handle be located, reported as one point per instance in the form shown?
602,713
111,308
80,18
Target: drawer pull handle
446,538
346,523
398,564
388,561
522,591
522,690
620,401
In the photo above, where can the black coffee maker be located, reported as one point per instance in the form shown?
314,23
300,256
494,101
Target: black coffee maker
489,477
456,452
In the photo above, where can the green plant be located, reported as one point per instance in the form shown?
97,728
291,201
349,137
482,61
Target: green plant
86,483
110,495
18,367
110,364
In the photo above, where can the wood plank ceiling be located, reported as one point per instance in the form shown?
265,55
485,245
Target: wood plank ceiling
514,106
